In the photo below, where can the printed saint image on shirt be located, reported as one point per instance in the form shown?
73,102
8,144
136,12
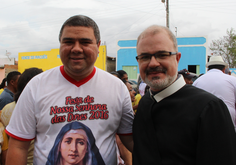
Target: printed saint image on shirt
74,145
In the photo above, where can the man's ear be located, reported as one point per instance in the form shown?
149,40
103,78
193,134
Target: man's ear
178,56
98,44
223,70
12,82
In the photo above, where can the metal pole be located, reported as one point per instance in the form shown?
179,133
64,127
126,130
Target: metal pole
167,13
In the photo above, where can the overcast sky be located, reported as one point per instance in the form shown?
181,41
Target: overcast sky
33,25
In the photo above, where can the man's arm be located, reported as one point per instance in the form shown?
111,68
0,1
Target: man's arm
216,143
127,140
125,154
3,157
17,152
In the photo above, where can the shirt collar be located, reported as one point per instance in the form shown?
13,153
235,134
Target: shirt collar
174,87
8,91
215,70
77,83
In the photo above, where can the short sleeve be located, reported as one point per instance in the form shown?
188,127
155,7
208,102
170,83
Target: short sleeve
126,123
21,126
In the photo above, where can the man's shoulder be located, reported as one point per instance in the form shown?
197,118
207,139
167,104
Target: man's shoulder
230,77
197,93
224,78
2,94
5,94
43,80
107,76
51,73
105,73
146,99
191,89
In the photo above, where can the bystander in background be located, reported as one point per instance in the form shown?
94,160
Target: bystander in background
219,84
122,75
188,77
6,113
11,87
227,71
3,85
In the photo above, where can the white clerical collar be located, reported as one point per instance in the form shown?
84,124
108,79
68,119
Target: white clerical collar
174,87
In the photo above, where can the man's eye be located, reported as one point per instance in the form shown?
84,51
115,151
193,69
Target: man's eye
68,42
85,42
162,55
145,57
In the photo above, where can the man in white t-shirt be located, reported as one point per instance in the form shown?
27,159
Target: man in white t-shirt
72,111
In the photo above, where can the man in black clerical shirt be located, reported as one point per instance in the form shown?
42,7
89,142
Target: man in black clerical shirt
177,124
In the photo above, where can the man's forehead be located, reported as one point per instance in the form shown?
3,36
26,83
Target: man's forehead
78,27
145,38
151,38
72,31
151,33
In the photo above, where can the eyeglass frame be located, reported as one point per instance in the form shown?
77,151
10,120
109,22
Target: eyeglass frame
156,55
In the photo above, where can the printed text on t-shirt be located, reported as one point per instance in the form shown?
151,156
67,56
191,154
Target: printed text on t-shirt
82,107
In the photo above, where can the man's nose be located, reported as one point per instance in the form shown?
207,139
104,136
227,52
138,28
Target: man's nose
77,48
154,62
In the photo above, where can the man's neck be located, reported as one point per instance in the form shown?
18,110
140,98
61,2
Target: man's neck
78,77
10,88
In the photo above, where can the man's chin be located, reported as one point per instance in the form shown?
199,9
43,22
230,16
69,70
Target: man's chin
157,83
153,83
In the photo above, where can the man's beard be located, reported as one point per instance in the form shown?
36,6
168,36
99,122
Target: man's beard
158,84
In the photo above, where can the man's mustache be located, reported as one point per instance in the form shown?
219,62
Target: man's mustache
157,69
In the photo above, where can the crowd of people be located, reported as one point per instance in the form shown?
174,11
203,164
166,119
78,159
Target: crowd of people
8,103
78,114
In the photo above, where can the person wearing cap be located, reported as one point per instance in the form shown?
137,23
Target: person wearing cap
219,84
187,76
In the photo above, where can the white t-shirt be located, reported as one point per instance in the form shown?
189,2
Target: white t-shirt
52,99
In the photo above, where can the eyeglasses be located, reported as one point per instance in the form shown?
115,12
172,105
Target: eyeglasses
145,57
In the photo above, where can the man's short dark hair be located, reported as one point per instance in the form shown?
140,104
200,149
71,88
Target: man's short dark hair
220,67
12,76
81,20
